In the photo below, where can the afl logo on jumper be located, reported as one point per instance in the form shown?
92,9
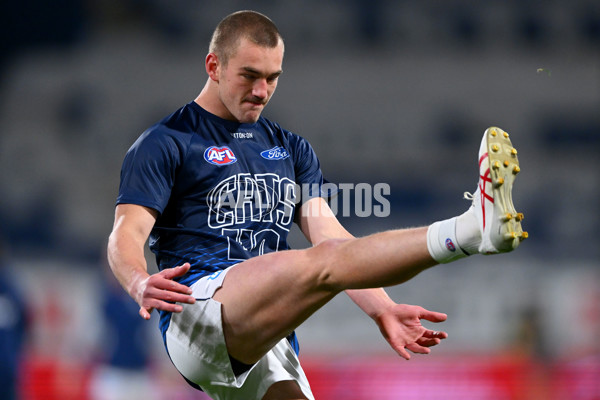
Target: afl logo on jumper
219,155
276,153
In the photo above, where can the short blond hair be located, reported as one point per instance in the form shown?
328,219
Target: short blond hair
248,24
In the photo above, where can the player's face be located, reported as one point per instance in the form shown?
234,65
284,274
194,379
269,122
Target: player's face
249,79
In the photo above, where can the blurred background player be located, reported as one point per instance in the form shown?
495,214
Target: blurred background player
123,370
13,328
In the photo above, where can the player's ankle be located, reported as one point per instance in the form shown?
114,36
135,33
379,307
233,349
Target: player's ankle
442,242
468,235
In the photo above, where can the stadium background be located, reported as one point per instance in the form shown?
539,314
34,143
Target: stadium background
386,91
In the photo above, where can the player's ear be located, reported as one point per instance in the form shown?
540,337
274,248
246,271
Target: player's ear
212,66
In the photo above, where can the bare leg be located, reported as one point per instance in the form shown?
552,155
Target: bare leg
267,297
284,390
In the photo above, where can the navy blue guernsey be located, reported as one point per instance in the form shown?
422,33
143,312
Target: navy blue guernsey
224,191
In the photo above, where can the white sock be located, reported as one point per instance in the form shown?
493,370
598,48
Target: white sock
442,243
468,235
454,238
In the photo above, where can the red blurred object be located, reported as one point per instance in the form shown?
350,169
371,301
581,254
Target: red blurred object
465,378
50,379
383,378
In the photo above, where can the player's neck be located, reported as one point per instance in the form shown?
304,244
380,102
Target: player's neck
209,100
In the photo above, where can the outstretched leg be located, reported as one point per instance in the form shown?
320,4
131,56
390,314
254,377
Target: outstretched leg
265,298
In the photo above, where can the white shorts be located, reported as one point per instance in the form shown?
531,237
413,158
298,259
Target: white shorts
196,345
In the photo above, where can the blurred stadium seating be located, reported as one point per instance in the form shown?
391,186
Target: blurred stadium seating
386,91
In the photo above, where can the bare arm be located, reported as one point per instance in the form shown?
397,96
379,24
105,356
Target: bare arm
399,323
126,243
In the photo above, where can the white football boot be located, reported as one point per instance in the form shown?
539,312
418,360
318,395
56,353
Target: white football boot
499,223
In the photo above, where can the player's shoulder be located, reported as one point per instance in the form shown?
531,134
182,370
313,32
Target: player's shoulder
285,135
183,122
177,128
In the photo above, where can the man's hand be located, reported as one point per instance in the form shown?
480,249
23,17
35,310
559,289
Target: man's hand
160,291
401,327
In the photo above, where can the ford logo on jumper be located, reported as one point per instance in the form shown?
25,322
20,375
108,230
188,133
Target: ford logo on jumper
276,153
